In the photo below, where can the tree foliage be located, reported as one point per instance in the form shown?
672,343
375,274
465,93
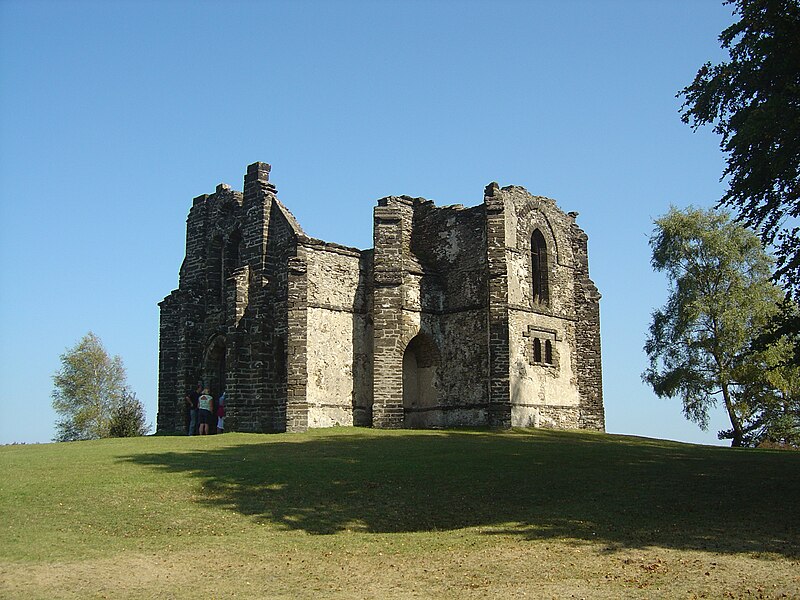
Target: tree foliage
90,392
768,397
128,418
721,298
753,102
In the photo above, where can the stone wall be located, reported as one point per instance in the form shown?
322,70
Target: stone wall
257,343
538,386
589,364
497,272
448,247
336,353
553,345
226,324
389,328
193,317
431,358
171,412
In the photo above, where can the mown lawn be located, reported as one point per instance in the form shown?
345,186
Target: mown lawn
359,513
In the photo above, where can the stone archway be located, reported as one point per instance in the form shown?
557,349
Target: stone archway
420,379
214,367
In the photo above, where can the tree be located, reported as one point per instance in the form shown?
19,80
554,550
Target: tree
128,418
768,398
90,388
721,298
779,419
753,102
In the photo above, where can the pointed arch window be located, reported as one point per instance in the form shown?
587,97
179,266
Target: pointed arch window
539,270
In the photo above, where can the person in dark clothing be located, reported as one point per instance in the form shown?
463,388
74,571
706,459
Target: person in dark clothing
192,399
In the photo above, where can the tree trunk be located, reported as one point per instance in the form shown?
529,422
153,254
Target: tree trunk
738,432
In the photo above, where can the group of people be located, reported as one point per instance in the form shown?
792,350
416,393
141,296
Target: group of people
203,409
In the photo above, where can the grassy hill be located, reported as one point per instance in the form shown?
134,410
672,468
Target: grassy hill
359,513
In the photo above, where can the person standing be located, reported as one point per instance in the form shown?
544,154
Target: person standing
206,406
221,413
191,401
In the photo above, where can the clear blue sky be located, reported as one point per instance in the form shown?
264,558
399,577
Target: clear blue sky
114,115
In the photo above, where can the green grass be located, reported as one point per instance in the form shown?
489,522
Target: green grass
362,513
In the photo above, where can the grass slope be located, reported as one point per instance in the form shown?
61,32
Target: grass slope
358,513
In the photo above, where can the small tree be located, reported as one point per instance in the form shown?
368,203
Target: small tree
89,387
721,298
128,418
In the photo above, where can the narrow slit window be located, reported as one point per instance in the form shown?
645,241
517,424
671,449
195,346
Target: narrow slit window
537,350
548,352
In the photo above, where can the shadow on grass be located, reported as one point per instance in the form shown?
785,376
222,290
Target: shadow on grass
624,492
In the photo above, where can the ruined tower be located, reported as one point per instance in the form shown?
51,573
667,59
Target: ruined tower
481,316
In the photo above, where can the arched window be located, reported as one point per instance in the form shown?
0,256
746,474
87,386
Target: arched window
548,352
539,268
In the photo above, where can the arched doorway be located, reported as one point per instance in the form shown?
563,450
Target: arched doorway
420,394
214,372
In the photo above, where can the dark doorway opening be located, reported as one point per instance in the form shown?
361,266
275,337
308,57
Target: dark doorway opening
420,395
214,371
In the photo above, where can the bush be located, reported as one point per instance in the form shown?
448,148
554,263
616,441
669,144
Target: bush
127,418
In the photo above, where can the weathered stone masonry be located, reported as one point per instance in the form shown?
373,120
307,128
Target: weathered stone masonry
457,317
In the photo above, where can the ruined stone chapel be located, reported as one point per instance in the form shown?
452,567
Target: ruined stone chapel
478,316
